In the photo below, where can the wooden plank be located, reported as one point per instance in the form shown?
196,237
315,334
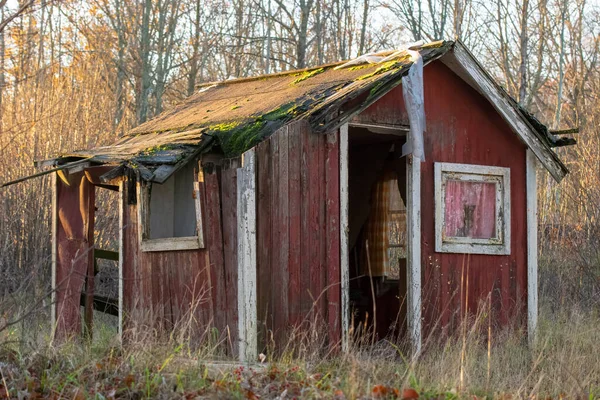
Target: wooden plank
91,262
62,167
73,251
275,290
314,224
170,244
264,238
106,254
54,250
281,274
123,248
305,281
344,231
246,202
162,173
215,246
413,215
229,205
296,238
532,247
332,239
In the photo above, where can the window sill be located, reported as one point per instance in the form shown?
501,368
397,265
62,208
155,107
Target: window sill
171,244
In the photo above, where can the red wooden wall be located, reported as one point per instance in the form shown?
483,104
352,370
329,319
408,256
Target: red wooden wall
298,241
462,127
167,288
74,240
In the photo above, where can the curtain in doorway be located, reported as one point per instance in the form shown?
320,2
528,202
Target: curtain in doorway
376,234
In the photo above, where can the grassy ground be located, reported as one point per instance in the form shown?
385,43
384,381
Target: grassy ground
565,362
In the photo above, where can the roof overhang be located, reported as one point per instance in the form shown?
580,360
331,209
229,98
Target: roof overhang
463,64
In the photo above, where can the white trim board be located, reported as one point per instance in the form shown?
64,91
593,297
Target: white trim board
463,64
413,257
532,246
344,231
246,233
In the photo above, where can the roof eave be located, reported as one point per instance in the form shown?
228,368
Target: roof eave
481,81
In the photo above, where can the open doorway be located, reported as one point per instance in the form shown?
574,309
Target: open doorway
100,292
377,231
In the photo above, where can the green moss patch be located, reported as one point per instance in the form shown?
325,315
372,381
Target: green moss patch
234,138
308,74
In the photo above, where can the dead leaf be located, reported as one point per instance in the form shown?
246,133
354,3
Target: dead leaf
129,380
379,391
409,394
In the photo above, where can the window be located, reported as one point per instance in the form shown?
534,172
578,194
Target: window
170,213
472,209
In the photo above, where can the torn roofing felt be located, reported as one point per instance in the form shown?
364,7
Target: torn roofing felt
233,116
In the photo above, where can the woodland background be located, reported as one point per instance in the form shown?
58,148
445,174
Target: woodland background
75,74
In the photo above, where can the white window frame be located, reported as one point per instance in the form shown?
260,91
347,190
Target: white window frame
167,244
498,245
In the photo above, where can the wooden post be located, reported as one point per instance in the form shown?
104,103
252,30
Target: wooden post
344,230
532,246
246,214
413,212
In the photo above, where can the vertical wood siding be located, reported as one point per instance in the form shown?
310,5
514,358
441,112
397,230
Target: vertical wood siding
170,288
74,236
462,127
298,255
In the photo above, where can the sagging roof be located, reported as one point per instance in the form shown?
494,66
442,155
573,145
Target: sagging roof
235,115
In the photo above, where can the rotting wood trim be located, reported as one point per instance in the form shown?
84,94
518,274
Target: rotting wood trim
113,174
385,129
344,232
413,246
246,233
170,244
198,207
204,145
500,101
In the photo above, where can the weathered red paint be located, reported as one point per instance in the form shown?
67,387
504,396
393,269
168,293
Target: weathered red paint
298,232
75,252
170,288
462,127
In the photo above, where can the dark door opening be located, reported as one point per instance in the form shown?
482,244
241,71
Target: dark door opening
377,234
100,292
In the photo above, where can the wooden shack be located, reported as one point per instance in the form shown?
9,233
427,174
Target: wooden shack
261,205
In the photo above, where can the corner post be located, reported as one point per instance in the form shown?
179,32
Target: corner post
344,251
246,216
413,179
532,246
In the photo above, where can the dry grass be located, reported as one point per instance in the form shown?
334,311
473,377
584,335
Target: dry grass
565,362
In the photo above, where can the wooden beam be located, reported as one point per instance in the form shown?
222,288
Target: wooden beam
62,167
532,247
413,258
344,231
246,214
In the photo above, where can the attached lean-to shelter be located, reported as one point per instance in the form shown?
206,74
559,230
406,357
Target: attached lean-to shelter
261,205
